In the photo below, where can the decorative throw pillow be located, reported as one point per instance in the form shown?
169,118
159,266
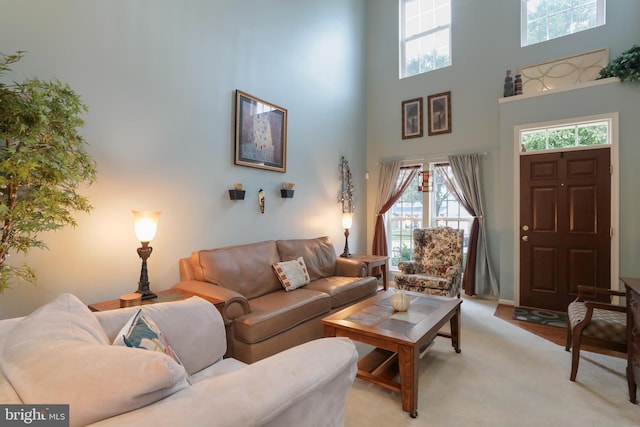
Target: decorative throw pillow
292,274
142,332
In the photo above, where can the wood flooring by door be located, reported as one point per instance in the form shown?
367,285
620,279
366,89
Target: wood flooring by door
550,333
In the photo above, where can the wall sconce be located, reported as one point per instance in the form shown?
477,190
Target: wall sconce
424,183
237,193
347,221
286,192
146,223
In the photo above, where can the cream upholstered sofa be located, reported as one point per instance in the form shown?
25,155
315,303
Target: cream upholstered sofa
261,317
62,353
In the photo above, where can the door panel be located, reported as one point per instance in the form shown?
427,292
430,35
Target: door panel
565,202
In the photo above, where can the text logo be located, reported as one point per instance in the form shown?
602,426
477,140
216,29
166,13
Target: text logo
34,415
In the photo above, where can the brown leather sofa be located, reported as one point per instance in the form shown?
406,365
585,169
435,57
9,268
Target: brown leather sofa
261,318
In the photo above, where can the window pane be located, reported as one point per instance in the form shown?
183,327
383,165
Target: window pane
412,27
557,6
584,18
533,141
593,134
537,31
402,218
411,8
559,138
559,25
536,9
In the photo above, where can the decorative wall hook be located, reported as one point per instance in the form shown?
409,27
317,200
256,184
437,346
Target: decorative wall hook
261,200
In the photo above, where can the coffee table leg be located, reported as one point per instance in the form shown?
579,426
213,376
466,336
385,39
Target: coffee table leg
408,365
454,323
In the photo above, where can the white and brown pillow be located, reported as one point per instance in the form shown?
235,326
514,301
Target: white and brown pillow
292,274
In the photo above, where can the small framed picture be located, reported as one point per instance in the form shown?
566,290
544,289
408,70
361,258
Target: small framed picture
439,113
261,133
412,118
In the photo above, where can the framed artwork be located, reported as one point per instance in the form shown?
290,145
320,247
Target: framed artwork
261,134
439,113
412,118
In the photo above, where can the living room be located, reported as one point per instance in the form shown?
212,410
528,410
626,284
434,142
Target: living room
159,78
139,68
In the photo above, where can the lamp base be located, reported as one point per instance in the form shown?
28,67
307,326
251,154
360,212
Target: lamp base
147,295
345,253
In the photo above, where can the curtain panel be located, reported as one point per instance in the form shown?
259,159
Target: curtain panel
394,179
478,274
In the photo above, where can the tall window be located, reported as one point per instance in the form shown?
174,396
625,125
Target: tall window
414,209
425,36
549,19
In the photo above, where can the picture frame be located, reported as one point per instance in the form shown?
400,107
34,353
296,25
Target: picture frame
412,118
261,133
439,106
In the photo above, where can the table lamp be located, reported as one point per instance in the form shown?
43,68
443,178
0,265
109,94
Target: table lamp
347,221
146,223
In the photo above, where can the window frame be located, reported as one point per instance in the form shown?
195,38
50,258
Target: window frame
426,220
566,124
524,23
417,36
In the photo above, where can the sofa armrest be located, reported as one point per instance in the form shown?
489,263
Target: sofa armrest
186,271
235,304
350,267
313,380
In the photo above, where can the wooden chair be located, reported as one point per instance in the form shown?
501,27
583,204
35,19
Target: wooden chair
597,324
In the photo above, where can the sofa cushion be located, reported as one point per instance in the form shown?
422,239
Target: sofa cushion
59,354
345,290
292,274
319,255
279,311
246,269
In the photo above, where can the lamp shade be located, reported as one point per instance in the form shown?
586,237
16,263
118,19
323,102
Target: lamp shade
146,223
347,220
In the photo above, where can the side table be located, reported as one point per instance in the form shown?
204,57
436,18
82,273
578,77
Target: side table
163,296
375,261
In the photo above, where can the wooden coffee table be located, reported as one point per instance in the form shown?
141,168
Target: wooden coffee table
397,336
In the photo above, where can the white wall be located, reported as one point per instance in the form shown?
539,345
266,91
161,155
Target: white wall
159,78
486,42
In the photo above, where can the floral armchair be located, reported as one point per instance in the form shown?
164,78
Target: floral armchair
436,268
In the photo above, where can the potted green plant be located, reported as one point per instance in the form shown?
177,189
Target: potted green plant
626,66
43,162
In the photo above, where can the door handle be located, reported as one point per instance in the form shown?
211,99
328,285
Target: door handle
525,238
525,227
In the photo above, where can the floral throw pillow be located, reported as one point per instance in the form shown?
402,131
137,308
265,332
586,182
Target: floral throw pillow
292,274
142,332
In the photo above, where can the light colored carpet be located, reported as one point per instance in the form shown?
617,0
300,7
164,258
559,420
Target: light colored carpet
505,376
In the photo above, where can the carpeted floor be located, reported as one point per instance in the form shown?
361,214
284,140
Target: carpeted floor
505,376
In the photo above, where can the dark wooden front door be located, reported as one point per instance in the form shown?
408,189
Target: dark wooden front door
565,222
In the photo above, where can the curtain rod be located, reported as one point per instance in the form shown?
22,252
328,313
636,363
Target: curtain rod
422,159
